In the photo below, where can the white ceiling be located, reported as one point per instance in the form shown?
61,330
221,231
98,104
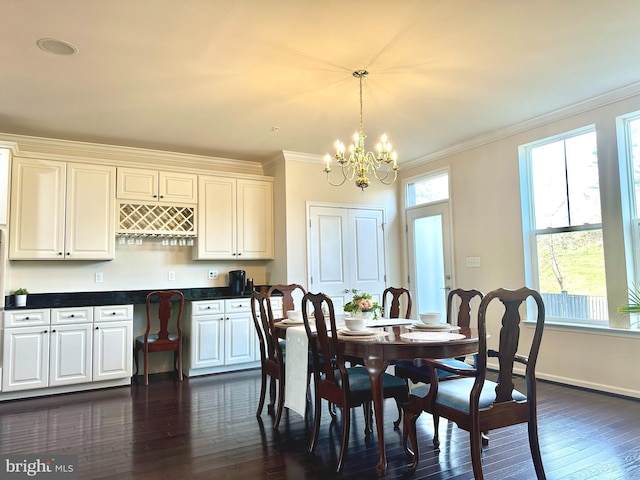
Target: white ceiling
214,77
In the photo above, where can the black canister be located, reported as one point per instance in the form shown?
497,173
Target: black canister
237,281
249,289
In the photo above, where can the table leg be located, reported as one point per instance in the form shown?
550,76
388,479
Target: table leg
375,365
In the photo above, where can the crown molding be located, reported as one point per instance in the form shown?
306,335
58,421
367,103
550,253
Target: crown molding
592,103
67,150
303,157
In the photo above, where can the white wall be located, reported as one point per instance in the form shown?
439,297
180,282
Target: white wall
485,197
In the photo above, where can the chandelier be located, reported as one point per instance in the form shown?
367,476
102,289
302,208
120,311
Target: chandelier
360,163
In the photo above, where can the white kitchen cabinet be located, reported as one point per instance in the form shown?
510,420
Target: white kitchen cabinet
25,358
61,211
203,335
235,219
112,342
70,354
239,332
71,346
148,185
46,349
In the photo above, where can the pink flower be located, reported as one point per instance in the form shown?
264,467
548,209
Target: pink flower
364,304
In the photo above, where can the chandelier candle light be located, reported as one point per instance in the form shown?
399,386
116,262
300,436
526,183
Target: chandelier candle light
360,162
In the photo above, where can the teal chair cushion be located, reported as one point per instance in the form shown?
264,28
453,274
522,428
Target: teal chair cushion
455,394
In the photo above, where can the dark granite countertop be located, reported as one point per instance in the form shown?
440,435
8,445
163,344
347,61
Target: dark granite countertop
122,297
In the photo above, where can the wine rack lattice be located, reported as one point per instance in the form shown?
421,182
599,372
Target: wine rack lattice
157,219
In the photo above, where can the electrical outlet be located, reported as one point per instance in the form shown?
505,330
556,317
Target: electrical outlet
99,277
213,274
172,275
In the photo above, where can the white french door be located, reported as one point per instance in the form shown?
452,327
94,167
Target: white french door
430,257
346,251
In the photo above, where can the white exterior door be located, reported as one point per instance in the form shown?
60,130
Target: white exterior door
430,257
346,252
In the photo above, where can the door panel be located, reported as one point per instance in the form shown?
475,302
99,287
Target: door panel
346,252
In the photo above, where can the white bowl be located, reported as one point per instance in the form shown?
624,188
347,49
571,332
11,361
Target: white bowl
294,315
430,318
355,324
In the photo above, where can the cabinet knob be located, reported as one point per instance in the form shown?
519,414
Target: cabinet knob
97,328
46,331
208,307
72,315
52,331
113,313
68,253
155,196
26,318
59,253
161,196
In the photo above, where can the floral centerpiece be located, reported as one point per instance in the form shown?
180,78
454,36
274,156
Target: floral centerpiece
362,303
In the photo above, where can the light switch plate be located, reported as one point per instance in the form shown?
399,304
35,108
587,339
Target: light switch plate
172,275
473,262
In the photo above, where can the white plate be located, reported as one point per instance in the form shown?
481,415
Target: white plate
431,336
438,327
359,333
292,322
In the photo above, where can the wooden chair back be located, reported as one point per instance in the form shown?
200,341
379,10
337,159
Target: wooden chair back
167,299
464,310
270,350
288,292
397,294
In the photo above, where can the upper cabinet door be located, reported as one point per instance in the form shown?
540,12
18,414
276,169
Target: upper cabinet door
37,209
255,219
153,186
90,213
61,211
137,184
216,218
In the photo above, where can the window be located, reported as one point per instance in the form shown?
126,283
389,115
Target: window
562,226
429,189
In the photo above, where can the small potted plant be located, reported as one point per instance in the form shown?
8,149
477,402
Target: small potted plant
21,297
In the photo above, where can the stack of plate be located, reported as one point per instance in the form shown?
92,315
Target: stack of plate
437,327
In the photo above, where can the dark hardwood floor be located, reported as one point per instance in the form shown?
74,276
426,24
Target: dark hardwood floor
205,428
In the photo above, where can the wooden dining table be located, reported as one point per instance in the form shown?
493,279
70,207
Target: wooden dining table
377,352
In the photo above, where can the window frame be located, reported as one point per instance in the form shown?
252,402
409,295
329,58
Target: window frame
530,233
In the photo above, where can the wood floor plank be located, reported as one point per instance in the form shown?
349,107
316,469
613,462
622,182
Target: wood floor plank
206,428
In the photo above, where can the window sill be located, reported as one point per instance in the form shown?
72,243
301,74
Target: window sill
588,329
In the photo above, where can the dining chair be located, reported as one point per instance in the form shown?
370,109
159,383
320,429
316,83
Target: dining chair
476,404
271,356
163,341
333,381
414,370
396,295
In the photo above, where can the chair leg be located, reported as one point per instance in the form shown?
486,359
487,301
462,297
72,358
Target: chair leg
332,412
534,446
179,354
272,396
316,421
344,443
396,423
368,418
409,430
476,452
136,349
263,393
145,357
436,424
280,403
